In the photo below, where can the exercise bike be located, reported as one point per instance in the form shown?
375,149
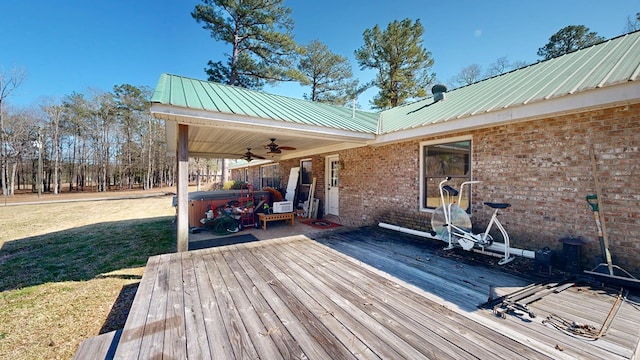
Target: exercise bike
450,223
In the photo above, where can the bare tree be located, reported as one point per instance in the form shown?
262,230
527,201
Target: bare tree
22,128
104,115
76,113
9,81
467,75
132,103
89,143
54,113
519,64
633,24
500,66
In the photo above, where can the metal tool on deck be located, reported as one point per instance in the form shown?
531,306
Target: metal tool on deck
614,273
518,301
585,330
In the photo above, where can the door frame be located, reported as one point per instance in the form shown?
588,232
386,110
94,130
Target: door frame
327,171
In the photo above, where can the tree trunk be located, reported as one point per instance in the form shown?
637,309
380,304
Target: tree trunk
150,153
3,159
72,170
13,178
55,144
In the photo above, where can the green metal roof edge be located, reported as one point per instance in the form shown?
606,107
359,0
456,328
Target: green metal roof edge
196,94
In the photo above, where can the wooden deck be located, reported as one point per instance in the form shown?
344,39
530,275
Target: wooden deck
349,295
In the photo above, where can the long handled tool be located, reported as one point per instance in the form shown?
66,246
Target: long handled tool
594,201
603,236
596,206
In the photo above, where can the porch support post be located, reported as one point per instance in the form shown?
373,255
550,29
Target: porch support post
182,189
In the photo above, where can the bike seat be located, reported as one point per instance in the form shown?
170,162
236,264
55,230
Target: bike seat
450,190
497,205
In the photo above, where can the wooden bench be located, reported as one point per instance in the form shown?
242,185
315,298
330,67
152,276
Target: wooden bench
265,218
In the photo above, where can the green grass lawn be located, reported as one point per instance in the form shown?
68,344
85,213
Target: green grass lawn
68,270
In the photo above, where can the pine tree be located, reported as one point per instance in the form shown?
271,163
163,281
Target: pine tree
402,62
569,39
329,74
261,38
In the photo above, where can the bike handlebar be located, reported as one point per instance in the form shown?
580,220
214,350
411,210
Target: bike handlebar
452,191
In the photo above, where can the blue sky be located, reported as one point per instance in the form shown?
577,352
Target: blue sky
71,46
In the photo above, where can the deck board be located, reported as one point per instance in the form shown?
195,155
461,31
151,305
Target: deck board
348,296
333,308
175,341
133,332
197,341
99,347
457,330
255,330
400,330
314,319
154,327
274,328
242,345
544,338
219,343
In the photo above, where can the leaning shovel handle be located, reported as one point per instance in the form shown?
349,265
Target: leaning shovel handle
593,201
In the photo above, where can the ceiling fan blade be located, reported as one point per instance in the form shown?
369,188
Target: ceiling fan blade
286,148
248,156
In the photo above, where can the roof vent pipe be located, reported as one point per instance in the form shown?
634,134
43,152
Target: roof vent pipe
439,92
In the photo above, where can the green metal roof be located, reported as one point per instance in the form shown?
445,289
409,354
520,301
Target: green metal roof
209,96
611,62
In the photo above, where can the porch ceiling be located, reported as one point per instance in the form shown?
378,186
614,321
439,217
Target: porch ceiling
218,135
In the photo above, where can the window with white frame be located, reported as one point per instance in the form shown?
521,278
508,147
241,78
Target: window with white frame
270,176
439,160
305,172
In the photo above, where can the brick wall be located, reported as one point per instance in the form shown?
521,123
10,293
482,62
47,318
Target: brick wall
544,169
541,167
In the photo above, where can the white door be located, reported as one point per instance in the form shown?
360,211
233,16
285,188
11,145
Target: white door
332,171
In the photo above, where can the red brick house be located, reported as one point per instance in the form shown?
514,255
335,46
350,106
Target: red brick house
526,135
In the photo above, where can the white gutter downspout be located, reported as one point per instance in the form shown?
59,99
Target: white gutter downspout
495,247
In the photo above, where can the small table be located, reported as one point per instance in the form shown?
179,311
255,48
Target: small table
265,218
